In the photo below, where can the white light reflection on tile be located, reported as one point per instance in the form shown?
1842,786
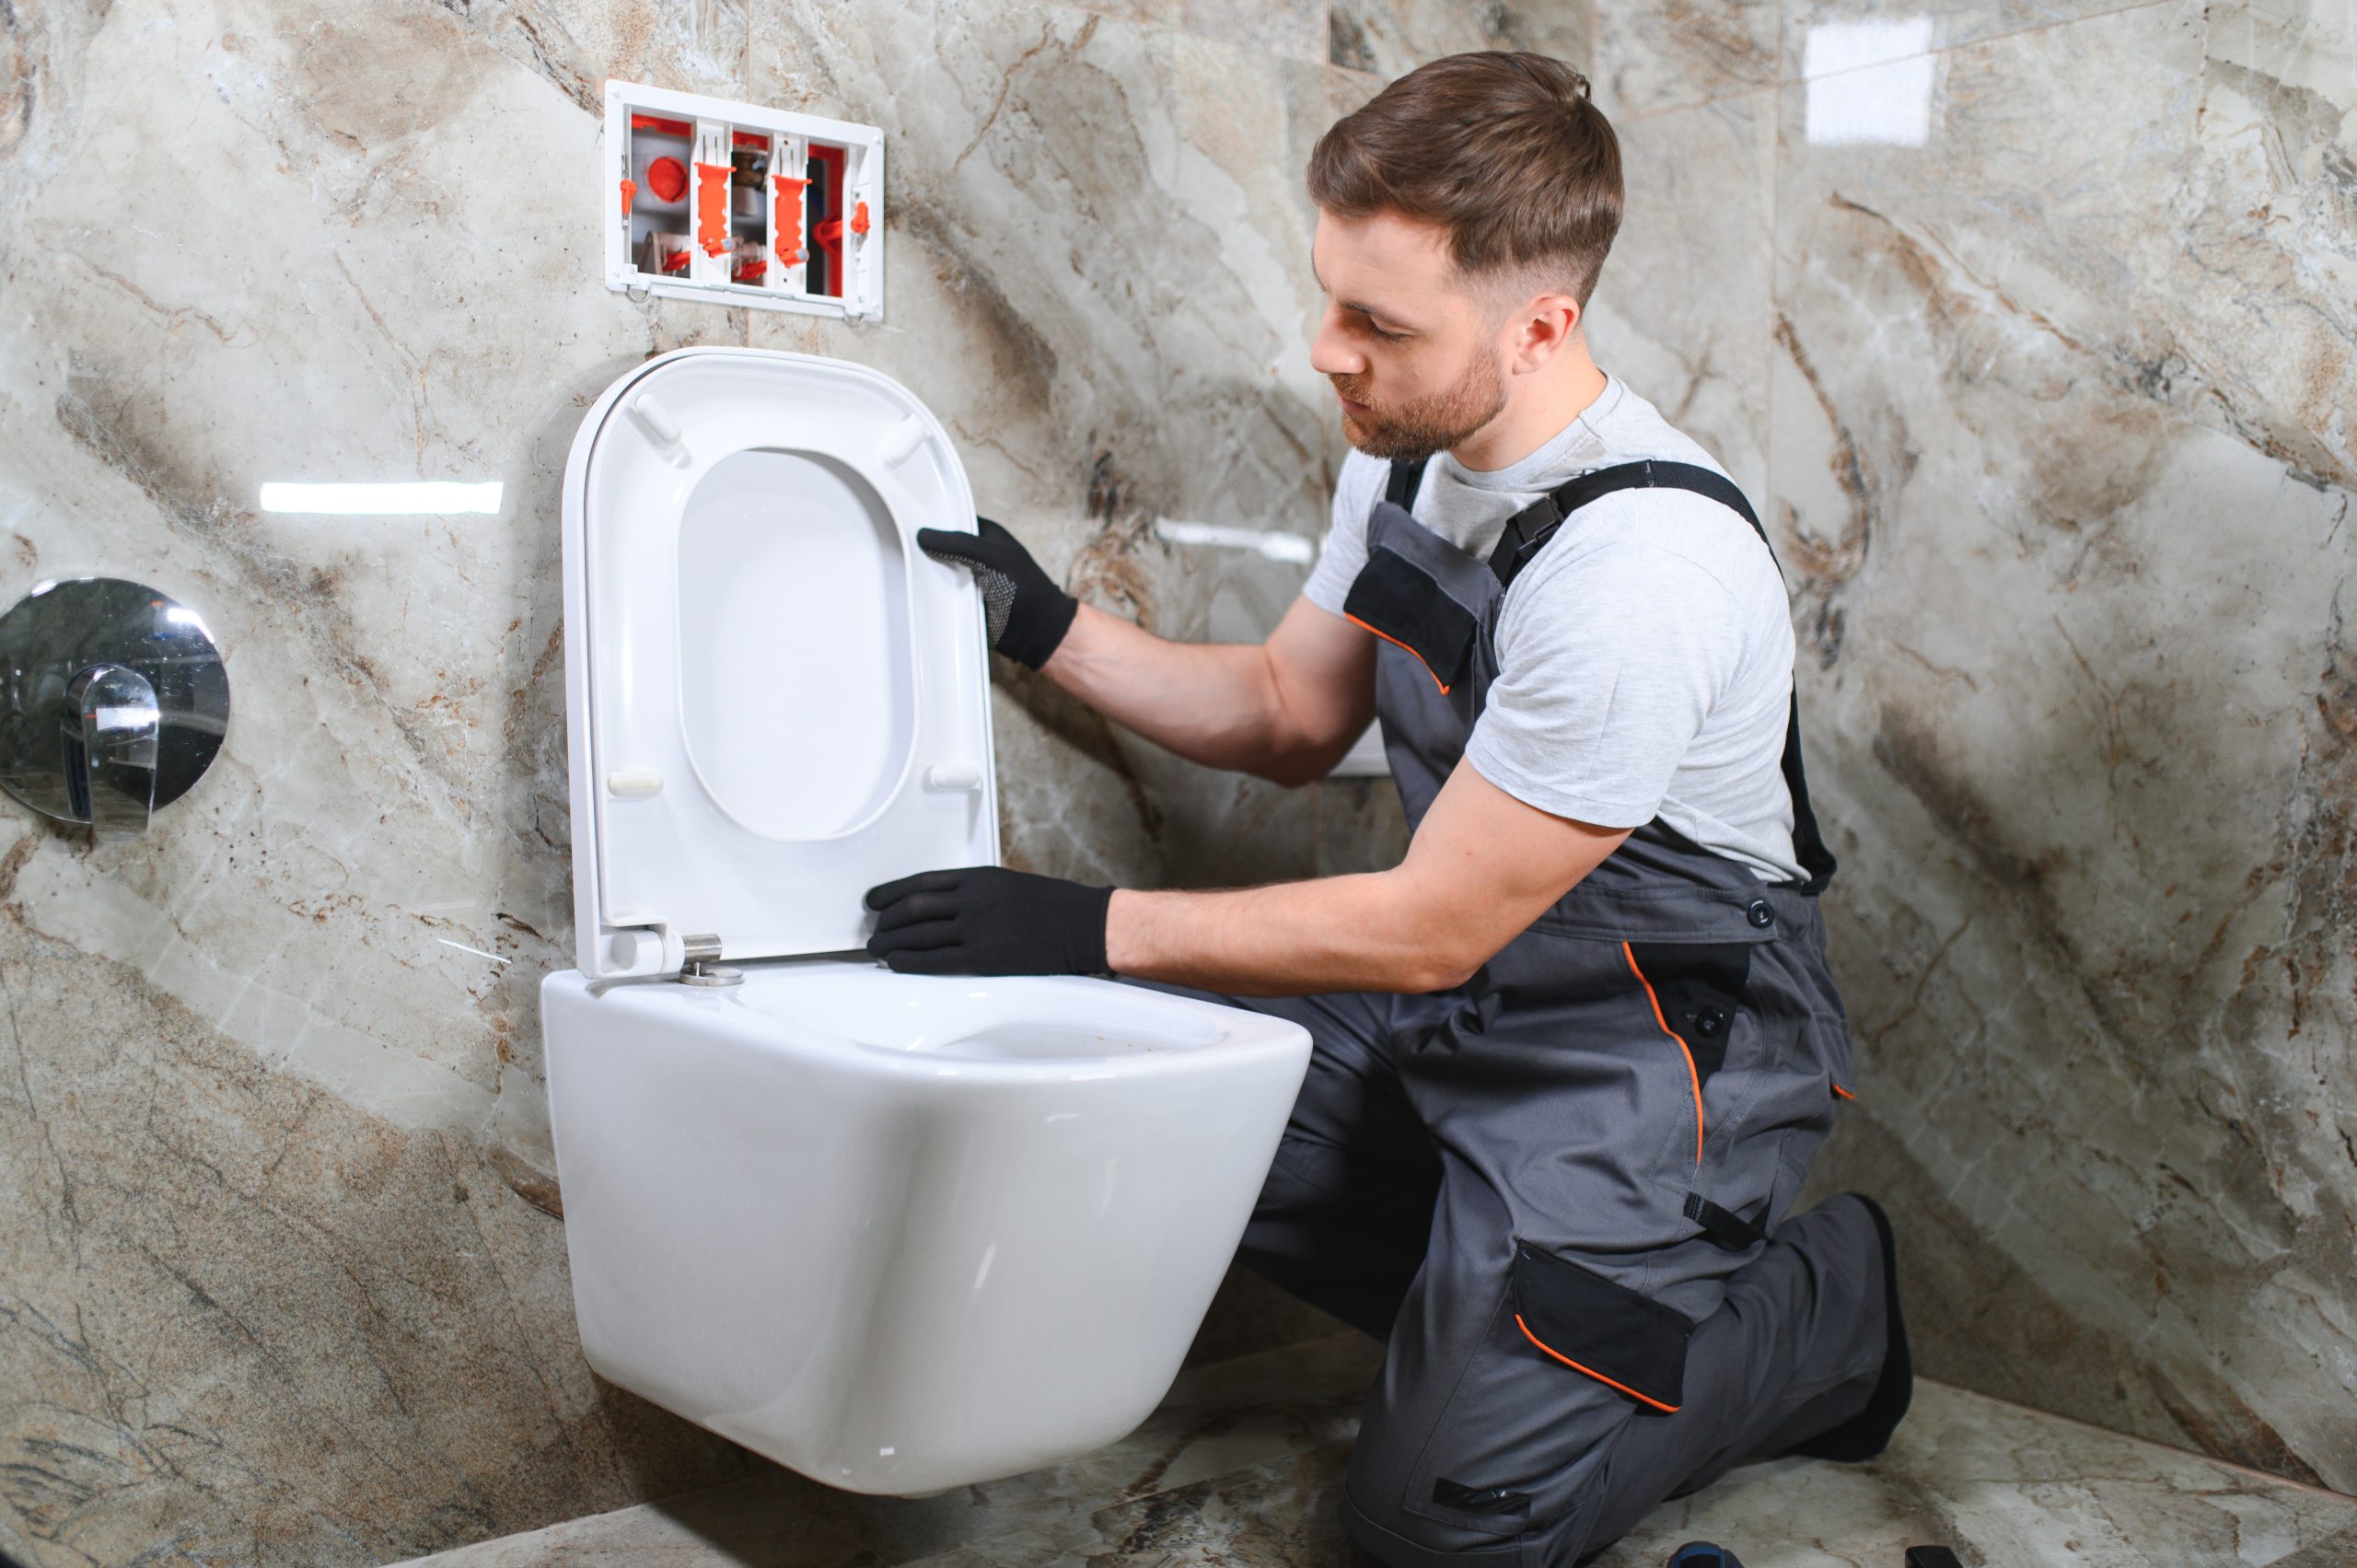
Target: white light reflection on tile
432,497
1275,546
1870,82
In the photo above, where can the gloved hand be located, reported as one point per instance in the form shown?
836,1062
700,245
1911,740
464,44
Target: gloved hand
1027,613
988,920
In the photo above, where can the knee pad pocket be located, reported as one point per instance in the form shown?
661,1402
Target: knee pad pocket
1601,1329
1569,1357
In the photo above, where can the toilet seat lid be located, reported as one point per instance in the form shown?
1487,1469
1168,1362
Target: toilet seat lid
774,699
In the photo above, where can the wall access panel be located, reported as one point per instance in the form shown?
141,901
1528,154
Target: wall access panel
737,205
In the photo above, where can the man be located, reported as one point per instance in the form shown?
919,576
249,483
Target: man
1574,1053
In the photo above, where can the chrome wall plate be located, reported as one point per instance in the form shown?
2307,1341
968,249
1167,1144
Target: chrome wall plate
113,701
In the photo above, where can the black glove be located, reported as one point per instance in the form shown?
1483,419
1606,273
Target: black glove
1027,613
988,920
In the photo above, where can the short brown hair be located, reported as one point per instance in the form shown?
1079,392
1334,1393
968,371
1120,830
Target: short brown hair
1503,151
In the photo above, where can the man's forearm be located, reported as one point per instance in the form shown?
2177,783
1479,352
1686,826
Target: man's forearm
1355,933
1212,702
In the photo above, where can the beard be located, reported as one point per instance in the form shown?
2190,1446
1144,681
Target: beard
1412,431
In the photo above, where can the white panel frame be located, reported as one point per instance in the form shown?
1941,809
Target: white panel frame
791,135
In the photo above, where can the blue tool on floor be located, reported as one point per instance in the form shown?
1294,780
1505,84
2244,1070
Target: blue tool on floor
1702,1554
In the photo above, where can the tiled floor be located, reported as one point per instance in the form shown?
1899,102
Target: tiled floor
1241,1466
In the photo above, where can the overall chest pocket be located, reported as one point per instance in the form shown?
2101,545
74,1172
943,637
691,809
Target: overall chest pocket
1405,605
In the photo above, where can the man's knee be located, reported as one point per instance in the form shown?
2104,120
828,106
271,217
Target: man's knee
1495,1455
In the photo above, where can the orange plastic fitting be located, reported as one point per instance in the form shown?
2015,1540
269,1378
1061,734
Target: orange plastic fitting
630,194
712,207
859,218
668,179
789,217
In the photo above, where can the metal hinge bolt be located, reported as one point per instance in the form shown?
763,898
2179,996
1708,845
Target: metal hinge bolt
703,966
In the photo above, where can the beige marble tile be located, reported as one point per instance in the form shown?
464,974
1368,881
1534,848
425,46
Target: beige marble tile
2060,455
1920,25
246,1322
1390,38
1660,56
1684,308
696,46
1294,29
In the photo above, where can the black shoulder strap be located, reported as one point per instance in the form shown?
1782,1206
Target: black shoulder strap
1528,530
1400,489
1531,527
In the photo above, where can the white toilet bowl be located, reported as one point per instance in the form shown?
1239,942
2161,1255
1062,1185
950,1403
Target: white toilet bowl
897,1233
901,1233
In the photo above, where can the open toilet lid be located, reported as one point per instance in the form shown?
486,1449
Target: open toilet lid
774,700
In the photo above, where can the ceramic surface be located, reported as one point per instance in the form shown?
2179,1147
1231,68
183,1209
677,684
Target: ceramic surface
905,1232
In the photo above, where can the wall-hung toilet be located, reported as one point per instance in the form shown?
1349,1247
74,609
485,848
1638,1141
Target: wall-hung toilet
897,1233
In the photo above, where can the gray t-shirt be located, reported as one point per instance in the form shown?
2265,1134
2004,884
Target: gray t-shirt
1645,655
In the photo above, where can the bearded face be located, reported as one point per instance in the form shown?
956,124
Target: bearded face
1415,427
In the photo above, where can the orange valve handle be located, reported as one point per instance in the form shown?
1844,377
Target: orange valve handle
789,217
712,207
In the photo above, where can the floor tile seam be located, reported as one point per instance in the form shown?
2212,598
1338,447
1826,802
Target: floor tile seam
2270,1477
1780,82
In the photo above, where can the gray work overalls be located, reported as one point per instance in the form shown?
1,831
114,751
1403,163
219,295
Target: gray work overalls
1551,1190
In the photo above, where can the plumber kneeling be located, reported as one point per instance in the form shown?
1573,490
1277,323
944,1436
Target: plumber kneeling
1575,1052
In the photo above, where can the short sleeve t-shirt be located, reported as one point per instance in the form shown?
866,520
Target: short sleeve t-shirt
1645,655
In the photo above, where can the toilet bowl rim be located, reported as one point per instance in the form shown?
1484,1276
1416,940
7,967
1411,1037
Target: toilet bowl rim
1247,1040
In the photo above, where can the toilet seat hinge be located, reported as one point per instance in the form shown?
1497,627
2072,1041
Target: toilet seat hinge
703,966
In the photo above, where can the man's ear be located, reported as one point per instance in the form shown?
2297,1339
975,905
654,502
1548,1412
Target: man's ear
1541,326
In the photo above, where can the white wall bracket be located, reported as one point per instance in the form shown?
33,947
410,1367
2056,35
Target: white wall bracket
735,204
